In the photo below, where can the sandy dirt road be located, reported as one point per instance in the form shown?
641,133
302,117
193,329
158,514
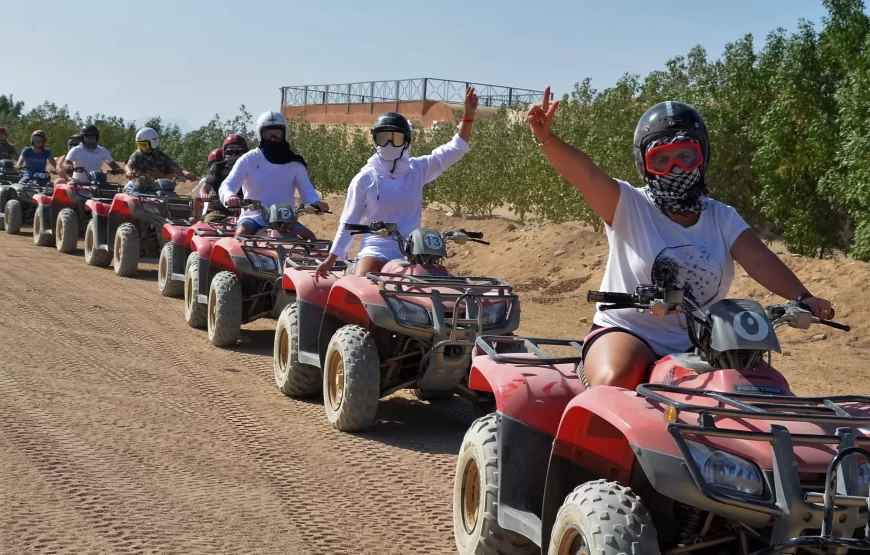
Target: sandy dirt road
123,431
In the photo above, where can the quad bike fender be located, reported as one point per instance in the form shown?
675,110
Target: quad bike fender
534,395
306,287
120,205
224,256
348,297
42,199
97,208
176,234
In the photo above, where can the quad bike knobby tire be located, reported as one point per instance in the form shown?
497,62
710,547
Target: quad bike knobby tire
125,252
168,287
351,379
12,217
605,518
40,238
293,378
94,255
195,314
475,496
66,231
224,309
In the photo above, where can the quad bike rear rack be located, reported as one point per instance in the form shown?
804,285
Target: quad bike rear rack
309,263
789,504
176,210
285,247
533,346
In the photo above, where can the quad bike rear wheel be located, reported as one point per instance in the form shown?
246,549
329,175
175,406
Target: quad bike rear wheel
94,255
40,237
125,252
351,379
168,287
224,309
293,378
475,495
66,231
605,518
195,313
12,217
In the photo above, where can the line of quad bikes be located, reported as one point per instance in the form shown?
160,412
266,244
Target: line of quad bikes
713,455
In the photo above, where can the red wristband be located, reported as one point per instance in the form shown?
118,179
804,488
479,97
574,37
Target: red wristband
466,120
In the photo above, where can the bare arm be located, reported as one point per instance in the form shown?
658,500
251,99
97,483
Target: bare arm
765,267
600,190
20,163
467,122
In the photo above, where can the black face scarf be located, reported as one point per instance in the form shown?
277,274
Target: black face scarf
279,152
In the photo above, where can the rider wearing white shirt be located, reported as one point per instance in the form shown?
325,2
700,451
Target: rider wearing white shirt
271,174
389,188
89,156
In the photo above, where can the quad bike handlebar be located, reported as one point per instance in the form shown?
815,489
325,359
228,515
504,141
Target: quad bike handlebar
385,229
660,301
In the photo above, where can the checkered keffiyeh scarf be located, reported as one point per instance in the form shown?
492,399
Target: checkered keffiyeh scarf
677,191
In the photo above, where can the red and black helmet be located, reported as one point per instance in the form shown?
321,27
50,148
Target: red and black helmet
216,155
236,144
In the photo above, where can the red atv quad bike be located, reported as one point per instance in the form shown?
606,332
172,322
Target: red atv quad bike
203,239
177,249
70,208
715,455
243,274
131,227
410,326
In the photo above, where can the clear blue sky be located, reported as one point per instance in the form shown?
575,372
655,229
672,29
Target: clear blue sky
188,59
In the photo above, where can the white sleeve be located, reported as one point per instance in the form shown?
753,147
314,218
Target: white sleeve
627,207
304,186
106,156
71,156
233,182
441,159
732,224
353,213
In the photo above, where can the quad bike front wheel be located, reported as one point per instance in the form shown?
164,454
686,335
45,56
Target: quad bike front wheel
125,252
475,496
605,518
40,237
195,313
12,217
66,231
224,309
94,255
293,378
351,379
168,287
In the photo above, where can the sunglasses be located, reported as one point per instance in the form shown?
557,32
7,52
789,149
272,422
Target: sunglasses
384,137
662,159
143,145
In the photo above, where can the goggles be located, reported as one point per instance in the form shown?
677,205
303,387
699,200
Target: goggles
384,137
662,159
143,145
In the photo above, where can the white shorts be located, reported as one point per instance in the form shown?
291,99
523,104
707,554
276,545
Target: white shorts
383,249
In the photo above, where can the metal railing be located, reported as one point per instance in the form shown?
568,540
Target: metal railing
406,90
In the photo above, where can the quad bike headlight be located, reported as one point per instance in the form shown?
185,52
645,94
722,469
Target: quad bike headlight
153,208
409,313
494,313
726,471
263,263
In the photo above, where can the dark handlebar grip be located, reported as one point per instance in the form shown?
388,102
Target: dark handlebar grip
474,234
836,325
605,297
356,227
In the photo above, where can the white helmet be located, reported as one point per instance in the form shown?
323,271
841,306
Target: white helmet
271,119
149,135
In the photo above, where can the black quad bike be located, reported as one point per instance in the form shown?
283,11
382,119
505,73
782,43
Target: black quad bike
16,200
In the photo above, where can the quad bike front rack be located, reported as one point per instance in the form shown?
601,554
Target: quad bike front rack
176,210
790,503
533,346
392,285
285,247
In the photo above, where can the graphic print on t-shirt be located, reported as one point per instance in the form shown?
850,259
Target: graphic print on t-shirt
689,268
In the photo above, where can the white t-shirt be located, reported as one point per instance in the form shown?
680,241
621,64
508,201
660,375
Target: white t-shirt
269,183
90,160
647,247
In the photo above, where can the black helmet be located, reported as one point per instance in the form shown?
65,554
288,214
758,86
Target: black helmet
90,130
666,119
393,121
74,141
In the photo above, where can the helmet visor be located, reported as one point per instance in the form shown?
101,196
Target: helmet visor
143,145
275,132
37,140
384,137
662,159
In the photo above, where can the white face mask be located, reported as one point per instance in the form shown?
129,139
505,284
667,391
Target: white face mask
390,153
